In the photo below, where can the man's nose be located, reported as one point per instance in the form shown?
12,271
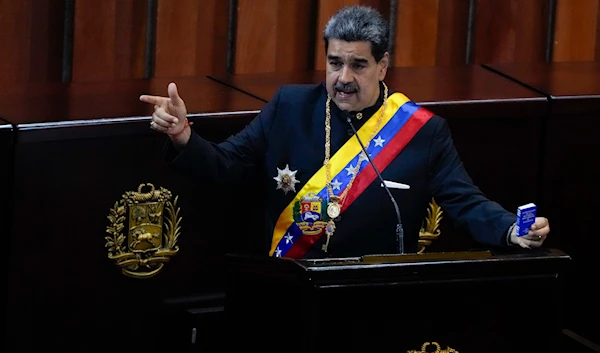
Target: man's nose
346,75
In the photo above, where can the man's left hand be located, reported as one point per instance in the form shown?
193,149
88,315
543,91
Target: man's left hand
537,234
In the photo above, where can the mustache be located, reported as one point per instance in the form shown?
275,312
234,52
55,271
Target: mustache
346,87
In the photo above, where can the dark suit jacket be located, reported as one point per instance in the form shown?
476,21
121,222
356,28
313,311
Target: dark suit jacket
290,131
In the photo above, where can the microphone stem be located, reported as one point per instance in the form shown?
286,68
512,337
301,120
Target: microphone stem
399,229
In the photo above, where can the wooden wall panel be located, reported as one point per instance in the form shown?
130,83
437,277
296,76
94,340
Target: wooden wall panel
416,33
427,32
14,34
576,29
326,9
109,40
453,21
273,36
510,31
191,37
597,52
46,51
31,39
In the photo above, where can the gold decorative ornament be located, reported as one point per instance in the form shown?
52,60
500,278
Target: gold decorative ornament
430,231
144,229
334,206
427,348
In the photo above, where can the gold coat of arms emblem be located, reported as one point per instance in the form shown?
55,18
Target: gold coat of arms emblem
433,347
144,229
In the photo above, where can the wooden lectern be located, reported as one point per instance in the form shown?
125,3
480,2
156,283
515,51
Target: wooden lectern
469,302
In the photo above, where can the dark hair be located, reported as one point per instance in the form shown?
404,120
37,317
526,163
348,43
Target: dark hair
359,23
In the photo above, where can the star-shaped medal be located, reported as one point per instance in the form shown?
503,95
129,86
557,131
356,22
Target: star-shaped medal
286,179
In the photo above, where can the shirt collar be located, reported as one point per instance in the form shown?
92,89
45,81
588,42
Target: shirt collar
367,112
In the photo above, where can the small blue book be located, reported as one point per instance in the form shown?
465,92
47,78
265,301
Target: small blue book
525,218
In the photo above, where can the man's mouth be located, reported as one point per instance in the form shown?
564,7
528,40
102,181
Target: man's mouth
345,94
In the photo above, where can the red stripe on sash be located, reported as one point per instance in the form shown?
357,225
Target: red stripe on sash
388,154
303,245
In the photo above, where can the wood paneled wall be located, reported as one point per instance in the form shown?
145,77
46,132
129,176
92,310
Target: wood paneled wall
108,39
90,41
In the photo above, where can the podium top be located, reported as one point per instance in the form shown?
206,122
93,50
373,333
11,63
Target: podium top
384,267
437,258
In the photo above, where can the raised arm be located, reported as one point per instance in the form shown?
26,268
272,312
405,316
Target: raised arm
228,161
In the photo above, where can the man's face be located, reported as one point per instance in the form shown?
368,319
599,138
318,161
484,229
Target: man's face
353,75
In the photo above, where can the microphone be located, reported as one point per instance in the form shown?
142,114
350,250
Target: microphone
399,229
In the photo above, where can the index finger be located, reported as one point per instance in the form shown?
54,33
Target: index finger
156,100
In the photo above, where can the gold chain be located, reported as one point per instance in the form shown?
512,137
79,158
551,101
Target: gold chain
336,202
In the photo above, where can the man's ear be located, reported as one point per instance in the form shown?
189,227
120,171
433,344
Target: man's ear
383,65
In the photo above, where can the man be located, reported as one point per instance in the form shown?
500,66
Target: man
324,197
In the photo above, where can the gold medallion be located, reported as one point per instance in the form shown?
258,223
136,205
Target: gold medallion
333,210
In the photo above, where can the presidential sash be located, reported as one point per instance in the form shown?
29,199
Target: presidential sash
303,221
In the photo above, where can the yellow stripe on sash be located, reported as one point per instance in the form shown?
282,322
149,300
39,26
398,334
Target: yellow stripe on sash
338,162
